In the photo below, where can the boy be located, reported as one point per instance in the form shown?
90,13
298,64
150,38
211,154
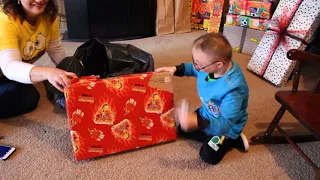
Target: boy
224,93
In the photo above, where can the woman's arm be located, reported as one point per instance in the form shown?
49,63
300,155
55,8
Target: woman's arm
56,51
57,77
14,69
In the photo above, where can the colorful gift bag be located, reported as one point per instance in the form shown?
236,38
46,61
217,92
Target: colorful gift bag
251,41
117,114
235,36
215,16
200,13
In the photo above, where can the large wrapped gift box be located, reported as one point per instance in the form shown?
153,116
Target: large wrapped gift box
258,9
238,7
117,114
280,67
292,27
247,22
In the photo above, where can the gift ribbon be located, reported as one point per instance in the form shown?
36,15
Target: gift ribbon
279,27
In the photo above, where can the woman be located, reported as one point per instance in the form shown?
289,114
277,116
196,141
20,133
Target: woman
29,28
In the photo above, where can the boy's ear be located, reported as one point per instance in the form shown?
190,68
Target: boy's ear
220,64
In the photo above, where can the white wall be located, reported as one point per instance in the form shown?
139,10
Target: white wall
61,10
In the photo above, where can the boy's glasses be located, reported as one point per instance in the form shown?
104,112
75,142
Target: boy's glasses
198,68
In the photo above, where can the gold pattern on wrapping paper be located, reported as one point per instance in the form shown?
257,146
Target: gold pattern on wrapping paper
96,134
146,122
122,130
105,115
154,104
76,141
76,117
167,119
130,104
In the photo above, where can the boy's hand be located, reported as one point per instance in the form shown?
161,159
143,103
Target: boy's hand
187,121
171,69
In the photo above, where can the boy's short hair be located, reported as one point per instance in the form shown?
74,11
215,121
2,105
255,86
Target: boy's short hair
214,45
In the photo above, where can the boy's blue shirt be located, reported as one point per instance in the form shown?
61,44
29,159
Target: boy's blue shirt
224,101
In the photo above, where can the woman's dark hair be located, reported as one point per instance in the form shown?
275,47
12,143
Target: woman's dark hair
12,8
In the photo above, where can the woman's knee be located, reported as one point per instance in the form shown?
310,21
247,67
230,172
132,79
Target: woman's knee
17,99
32,100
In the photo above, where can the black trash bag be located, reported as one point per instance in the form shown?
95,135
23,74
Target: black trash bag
98,57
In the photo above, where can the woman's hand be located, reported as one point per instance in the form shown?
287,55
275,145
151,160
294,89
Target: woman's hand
171,69
59,78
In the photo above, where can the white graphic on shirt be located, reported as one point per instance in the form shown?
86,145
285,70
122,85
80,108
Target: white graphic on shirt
212,108
40,41
31,46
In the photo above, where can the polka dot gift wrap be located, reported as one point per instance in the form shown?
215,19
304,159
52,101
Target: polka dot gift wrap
300,23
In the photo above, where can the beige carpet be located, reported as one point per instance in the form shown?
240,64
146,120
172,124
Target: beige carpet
44,148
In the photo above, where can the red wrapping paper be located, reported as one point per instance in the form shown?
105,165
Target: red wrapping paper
111,115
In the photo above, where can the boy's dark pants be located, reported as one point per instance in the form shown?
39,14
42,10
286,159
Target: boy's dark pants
16,98
207,154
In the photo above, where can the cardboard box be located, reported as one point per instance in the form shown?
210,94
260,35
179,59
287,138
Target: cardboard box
112,115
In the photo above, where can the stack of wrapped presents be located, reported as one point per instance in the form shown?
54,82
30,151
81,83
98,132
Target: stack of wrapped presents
245,24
